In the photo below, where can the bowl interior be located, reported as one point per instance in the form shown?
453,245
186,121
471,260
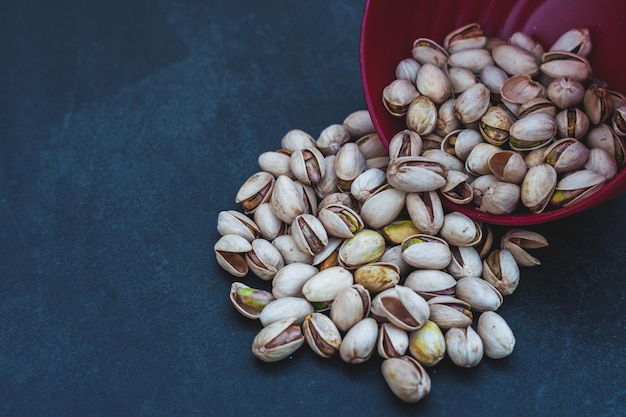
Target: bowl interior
389,29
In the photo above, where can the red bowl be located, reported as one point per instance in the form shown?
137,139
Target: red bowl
390,27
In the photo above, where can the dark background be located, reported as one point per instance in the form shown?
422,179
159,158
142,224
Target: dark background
126,126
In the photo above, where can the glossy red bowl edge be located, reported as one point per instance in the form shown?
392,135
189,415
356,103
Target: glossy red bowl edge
389,27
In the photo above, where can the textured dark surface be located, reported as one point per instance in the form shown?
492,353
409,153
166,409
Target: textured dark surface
126,127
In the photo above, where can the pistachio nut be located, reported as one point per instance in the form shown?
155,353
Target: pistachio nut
494,125
421,115
532,131
461,78
385,204
479,293
517,241
501,270
398,95
232,222
430,283
566,154
269,225
538,186
426,211
402,307
364,247
393,254
290,279
480,185
290,251
477,161
601,162
377,276
575,186
426,251
359,343
285,199
521,88
256,190
399,230
263,259
229,252
575,40
349,163
332,138
392,341
473,59
329,256
526,42
407,69
281,308
461,142
325,285
484,246
249,301
464,346
460,230
328,183
603,136
556,64
465,262
427,344
496,335
535,157
472,103
296,139
364,186
406,378
571,122
457,189
321,334
308,165
276,162
309,233
515,60
465,37
500,198
493,77
448,311
618,120
359,123
433,82
415,174
448,161
340,220
428,51
565,92
405,143
351,305
308,196
278,340
508,166
537,105
371,146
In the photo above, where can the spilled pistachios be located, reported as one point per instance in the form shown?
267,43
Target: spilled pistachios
525,129
354,254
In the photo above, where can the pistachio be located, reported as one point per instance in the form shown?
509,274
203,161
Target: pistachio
398,95
466,261
296,139
285,200
500,198
517,241
428,51
290,251
281,308
501,270
278,340
366,184
472,103
406,378
364,247
269,225
249,301
448,311
430,283
496,335
427,344
405,143
359,123
236,223
229,253
276,163
332,138
351,305
359,343
290,279
433,82
538,186
565,92
464,346
426,251
256,190
308,165
426,211
402,307
421,115
392,341
382,207
479,293
327,283
377,276
340,220
473,59
466,37
407,69
399,230
321,334
349,164
515,60
459,230
309,233
575,40
263,259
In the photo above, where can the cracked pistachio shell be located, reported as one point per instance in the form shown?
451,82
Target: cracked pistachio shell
286,201
421,115
500,198
278,340
428,51
601,162
281,308
465,37
538,186
575,40
514,60
565,92
276,162
537,105
461,142
472,103
566,154
416,174
521,88
406,378
598,103
249,301
460,230
517,241
464,346
461,79
297,139
359,123
256,190
401,306
290,279
309,233
349,164
448,311
328,183
405,143
332,138
232,222
480,294
364,247
377,276
430,283
465,262
496,335
457,188
399,230
308,165
575,186
359,343
392,341
340,221
556,64
572,123
269,225
448,161
508,166
264,260
351,305
473,59
290,251
480,185
398,95
494,125
477,161
501,270
426,252
446,119
427,344
433,82
383,206
604,137
371,146
426,211
308,197
321,334
326,284
366,184
532,131
229,252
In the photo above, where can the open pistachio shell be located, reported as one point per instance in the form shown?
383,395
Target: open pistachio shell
278,340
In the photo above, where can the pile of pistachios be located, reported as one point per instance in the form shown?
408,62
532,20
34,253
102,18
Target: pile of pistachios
339,255
518,127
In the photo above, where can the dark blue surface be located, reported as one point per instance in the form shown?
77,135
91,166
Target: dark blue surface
126,127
